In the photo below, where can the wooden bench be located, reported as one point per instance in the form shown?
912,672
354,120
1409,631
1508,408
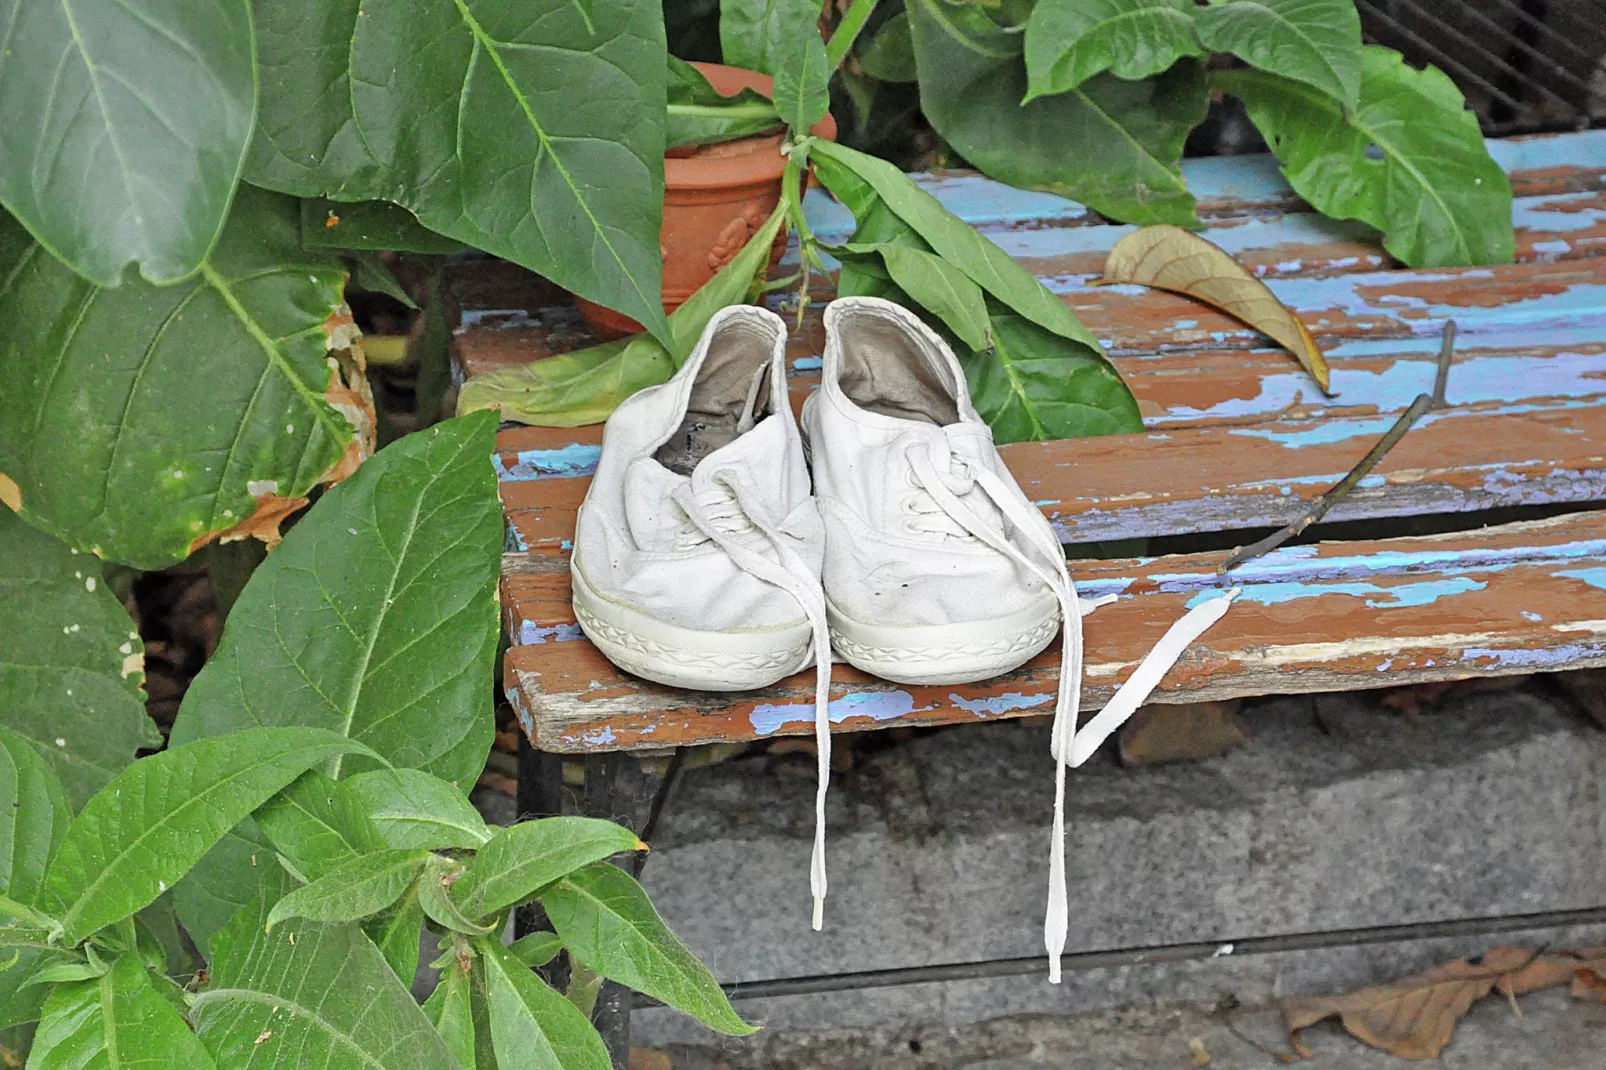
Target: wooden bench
1236,439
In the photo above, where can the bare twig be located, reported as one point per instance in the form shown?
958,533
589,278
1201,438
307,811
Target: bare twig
1327,499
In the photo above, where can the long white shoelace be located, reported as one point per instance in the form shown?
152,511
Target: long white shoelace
789,572
933,469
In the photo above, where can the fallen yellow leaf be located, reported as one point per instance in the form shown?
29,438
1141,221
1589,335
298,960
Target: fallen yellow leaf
1170,258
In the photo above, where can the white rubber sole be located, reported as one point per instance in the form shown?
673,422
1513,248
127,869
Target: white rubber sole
945,653
687,657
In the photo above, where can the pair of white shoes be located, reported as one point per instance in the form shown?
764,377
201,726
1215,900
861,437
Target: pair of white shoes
705,559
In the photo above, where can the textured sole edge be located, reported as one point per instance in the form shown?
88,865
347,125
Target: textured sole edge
945,653
685,657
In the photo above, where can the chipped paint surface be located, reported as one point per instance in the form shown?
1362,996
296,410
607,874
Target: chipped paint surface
530,633
769,718
565,462
1420,593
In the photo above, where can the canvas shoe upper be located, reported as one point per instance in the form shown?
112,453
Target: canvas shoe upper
938,569
697,551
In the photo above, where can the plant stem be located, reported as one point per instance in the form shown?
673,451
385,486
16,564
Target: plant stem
846,32
1329,498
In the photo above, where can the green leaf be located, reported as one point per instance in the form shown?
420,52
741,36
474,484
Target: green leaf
370,273
1069,41
801,84
1409,160
145,829
954,240
228,877
1317,42
161,943
376,618
450,1011
66,972
123,129
583,387
358,888
434,889
318,824
507,124
322,997
699,115
71,665
523,858
141,421
938,287
762,35
1032,385
1112,144
396,933
532,1026
115,1022
411,808
605,919
889,56
34,815
536,949
375,225
21,1002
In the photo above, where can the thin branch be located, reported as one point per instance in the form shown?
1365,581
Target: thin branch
1327,499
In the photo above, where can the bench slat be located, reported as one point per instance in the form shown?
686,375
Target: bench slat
1332,616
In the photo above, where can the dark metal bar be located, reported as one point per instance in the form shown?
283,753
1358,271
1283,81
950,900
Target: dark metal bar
1542,27
1166,953
1444,59
1516,42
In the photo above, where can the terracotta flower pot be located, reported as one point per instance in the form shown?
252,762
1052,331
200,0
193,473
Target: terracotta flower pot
715,197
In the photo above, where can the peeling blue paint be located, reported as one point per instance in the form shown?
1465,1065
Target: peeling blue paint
1422,593
1324,433
531,634
808,364
769,718
512,541
562,462
1555,657
1186,325
1529,614
1552,248
1595,577
1000,704
598,737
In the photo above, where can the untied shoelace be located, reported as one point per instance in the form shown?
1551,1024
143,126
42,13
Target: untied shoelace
934,470
723,523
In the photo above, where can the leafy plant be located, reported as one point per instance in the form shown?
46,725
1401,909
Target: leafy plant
346,788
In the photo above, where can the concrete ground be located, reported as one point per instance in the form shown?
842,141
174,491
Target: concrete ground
1336,814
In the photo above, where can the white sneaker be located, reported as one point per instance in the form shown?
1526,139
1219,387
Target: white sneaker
697,550
938,569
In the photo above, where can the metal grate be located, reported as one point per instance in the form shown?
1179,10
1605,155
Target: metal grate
1525,65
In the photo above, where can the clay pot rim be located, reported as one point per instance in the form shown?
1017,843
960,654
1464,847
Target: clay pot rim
760,164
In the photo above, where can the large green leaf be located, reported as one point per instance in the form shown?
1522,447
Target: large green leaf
1030,385
71,663
145,829
762,34
936,286
327,224
698,114
123,128
34,815
522,858
309,995
141,421
607,922
396,934
801,93
1069,41
229,876
376,618
511,125
1317,42
357,888
889,56
532,1026
317,824
1112,144
954,240
118,1021
583,387
1409,159
410,808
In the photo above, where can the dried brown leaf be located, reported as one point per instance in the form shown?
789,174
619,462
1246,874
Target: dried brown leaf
1413,1018
1170,258
1590,983
1196,1048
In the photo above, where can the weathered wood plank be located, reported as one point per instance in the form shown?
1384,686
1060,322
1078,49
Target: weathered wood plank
1331,616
